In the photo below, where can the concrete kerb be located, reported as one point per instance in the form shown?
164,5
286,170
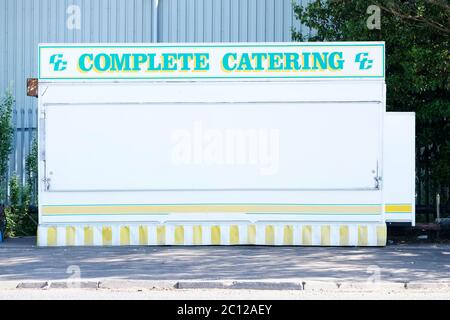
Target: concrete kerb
249,285
73,285
137,284
427,286
64,284
309,285
32,285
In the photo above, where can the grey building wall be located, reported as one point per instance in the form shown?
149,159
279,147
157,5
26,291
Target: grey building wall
226,20
25,23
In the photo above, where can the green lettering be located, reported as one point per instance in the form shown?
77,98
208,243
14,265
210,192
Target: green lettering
275,61
121,63
336,61
138,58
98,62
244,63
227,59
259,57
320,58
82,62
201,61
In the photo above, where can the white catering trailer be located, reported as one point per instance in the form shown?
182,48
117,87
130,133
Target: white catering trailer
220,144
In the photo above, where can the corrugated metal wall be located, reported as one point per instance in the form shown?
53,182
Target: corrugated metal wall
25,23
225,20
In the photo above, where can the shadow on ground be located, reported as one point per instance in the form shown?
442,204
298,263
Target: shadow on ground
21,260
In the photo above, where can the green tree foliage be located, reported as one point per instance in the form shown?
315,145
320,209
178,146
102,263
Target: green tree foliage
416,33
6,135
31,167
19,220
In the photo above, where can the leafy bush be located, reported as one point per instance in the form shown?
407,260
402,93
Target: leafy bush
31,167
6,135
19,220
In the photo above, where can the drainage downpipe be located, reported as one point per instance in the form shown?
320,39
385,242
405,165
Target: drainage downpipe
155,20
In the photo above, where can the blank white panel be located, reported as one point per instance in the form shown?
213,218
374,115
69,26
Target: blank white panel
285,146
399,163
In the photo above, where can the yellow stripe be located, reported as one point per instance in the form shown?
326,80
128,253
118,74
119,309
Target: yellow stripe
124,236
143,235
215,235
325,237
288,235
70,236
403,208
161,235
251,234
343,236
234,234
270,235
52,235
107,236
198,235
307,235
363,238
179,235
88,236
381,235
126,209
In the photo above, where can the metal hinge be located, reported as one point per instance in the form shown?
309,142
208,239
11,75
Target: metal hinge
46,183
377,178
377,182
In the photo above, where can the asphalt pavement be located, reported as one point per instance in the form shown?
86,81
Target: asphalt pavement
21,260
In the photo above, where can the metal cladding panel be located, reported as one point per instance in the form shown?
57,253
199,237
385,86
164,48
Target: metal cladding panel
25,23
227,20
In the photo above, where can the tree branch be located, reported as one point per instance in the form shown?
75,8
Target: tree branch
409,16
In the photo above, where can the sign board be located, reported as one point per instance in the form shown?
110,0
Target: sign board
211,61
